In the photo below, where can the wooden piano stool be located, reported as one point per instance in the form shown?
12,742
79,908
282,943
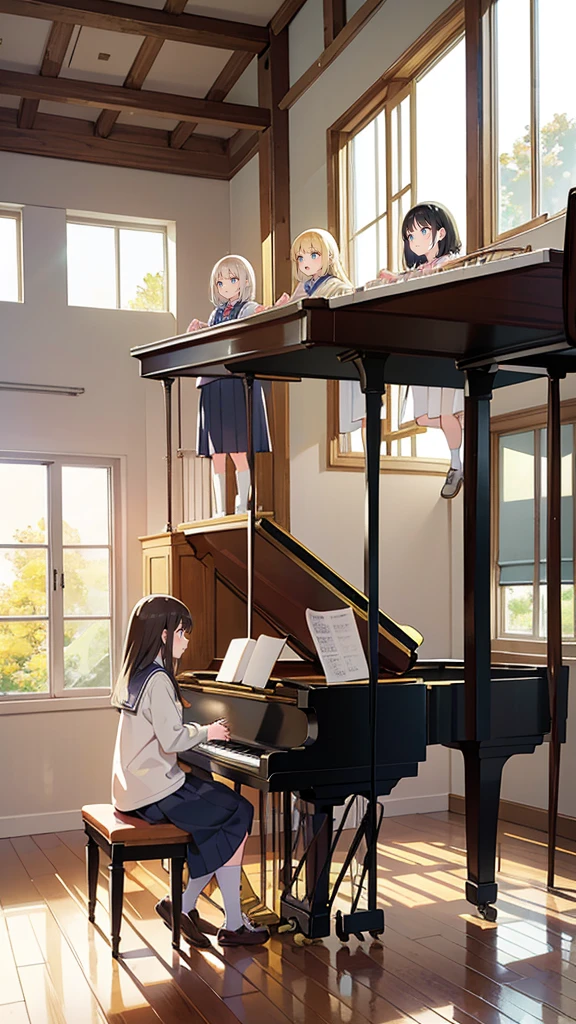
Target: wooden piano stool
123,838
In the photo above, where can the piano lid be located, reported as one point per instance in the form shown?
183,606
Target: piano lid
288,579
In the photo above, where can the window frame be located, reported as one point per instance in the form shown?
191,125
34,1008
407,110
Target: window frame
15,213
57,696
490,133
126,225
389,90
507,646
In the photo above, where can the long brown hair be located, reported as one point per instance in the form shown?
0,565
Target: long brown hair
150,617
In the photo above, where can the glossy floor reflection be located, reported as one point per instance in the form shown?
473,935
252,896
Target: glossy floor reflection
437,962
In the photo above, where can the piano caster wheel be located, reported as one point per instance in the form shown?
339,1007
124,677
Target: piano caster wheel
375,934
487,912
342,935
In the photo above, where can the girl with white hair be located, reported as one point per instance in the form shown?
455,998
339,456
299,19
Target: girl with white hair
222,425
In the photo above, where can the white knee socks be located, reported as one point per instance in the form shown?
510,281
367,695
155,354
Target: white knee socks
219,482
228,878
192,892
243,485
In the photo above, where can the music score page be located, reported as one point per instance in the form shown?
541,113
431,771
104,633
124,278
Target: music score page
337,640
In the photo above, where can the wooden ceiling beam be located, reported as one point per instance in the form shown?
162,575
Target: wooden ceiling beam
56,137
334,19
56,47
139,71
342,40
144,21
285,14
227,78
159,104
241,148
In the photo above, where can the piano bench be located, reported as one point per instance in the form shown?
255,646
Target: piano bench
123,837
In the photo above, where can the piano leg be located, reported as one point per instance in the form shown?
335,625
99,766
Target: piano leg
483,764
263,811
287,816
312,913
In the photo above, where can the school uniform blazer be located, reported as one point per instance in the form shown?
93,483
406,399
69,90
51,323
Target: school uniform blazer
148,741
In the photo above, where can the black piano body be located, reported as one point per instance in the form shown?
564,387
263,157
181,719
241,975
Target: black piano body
302,736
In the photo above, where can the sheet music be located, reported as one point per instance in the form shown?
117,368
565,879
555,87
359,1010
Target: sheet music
337,640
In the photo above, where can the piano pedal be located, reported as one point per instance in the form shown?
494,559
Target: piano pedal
288,927
302,940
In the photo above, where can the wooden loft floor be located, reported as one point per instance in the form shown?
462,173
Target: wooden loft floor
438,963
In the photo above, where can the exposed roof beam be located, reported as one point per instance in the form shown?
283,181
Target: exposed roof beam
285,14
218,91
159,104
342,40
67,138
52,60
334,19
241,148
144,21
137,74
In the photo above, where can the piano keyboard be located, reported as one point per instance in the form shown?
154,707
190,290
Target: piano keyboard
230,752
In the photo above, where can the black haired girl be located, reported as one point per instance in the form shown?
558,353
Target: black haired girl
428,233
148,782
430,239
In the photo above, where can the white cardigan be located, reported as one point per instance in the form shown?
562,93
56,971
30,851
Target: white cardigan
145,763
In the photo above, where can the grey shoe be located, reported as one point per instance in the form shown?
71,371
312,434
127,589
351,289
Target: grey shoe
453,483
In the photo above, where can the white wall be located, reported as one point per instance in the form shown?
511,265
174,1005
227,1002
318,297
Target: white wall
57,761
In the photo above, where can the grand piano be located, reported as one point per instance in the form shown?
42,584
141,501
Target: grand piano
302,736
476,327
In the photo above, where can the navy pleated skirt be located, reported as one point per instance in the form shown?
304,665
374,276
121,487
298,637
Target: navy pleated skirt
216,817
222,418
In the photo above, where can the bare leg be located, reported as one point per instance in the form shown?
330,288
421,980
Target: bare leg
451,426
240,460
219,462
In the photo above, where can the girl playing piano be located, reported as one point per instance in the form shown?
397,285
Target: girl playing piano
222,410
430,239
148,782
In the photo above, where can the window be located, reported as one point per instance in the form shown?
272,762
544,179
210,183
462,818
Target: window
534,108
413,150
520,543
57,575
10,255
117,266
407,144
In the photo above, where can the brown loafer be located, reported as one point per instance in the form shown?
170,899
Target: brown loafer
243,936
189,924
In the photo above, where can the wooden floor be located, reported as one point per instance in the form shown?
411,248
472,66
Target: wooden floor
437,961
